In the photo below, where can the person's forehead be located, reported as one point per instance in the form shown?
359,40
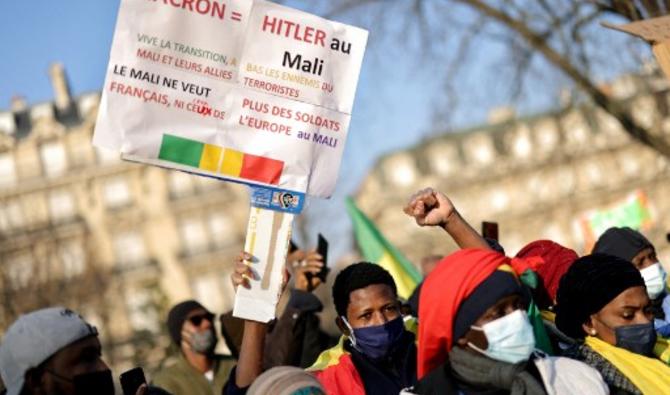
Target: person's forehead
196,311
502,302
649,251
634,296
372,294
74,350
507,299
645,252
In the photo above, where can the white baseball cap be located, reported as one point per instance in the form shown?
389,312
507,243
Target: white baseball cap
35,337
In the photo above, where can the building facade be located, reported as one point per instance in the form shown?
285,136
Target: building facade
118,241
564,176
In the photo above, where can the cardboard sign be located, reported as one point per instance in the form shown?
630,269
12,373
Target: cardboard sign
656,31
268,236
241,90
633,212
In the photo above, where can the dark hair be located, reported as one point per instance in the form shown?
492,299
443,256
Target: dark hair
177,316
358,276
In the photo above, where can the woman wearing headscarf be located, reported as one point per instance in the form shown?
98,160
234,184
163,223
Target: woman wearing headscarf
631,245
602,301
557,260
475,337
432,208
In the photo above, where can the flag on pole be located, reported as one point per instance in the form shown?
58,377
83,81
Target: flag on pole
375,248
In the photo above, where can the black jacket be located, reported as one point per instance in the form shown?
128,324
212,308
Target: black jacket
390,375
296,339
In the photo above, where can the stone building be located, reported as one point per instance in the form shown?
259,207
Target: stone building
561,175
118,241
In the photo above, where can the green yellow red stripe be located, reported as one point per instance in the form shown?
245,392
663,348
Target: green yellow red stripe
216,159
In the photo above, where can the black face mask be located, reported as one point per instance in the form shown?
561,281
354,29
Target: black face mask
639,339
94,383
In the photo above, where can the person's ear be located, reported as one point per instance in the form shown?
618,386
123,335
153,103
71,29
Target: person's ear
589,328
343,328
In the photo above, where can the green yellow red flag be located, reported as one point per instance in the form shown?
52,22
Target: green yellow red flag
375,248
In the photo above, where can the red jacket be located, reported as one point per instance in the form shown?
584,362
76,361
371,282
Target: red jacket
338,373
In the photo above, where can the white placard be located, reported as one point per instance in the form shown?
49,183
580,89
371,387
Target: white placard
242,90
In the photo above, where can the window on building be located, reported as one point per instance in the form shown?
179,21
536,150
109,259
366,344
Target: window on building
142,310
222,229
180,183
400,170
499,200
194,235
54,159
444,158
521,144
116,192
480,149
61,205
129,249
11,215
547,135
208,292
28,162
7,170
80,149
107,156
73,259
20,270
594,173
35,208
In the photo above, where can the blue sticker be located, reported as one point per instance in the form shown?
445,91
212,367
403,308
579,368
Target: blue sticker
277,199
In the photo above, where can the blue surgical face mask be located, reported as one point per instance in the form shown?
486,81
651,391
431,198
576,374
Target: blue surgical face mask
376,341
510,338
654,278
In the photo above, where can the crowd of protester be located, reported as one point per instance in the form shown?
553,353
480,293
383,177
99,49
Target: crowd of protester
545,321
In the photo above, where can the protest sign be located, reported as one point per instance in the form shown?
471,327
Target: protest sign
241,90
633,212
656,31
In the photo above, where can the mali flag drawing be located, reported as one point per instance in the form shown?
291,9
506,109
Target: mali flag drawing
375,248
225,161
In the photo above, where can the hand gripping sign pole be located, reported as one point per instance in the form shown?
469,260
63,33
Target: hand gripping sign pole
244,91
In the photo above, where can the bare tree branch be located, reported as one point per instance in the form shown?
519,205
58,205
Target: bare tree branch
560,32
562,63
